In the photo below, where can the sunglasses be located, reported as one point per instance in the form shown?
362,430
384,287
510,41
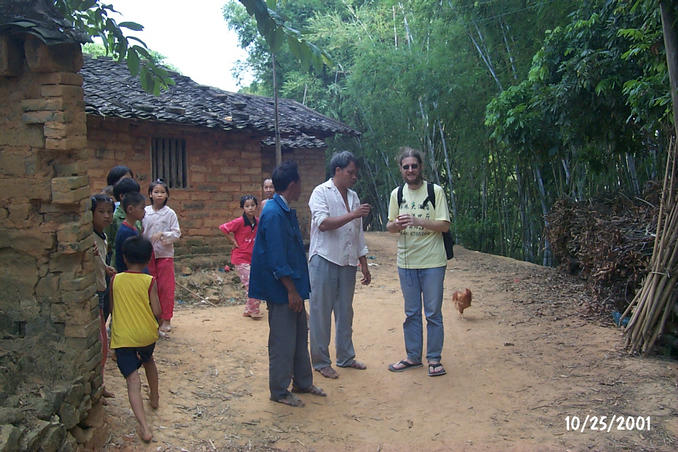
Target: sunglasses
413,166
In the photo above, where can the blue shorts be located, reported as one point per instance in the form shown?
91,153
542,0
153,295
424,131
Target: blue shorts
131,358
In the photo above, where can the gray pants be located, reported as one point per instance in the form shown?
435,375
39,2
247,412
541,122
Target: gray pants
332,288
287,350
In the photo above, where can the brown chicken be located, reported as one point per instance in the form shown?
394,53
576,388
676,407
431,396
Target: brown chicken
462,300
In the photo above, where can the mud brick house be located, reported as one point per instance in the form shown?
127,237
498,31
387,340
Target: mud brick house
56,144
211,146
50,376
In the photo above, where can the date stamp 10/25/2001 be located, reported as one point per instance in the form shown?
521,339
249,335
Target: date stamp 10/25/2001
607,424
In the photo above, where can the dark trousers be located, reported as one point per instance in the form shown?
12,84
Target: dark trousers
288,358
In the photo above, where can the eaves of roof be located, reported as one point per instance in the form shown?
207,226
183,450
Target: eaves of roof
111,91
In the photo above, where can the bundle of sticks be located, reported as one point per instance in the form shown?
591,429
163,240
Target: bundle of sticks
658,298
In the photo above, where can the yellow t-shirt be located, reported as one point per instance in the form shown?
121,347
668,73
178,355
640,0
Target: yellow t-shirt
134,324
419,247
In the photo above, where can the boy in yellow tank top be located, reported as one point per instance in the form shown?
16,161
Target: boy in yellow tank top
134,330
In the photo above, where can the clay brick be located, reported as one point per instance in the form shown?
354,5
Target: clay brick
80,313
68,169
252,170
56,130
65,57
82,331
41,117
71,142
79,246
95,417
70,196
55,104
60,78
23,136
61,91
12,163
64,184
78,284
24,189
57,313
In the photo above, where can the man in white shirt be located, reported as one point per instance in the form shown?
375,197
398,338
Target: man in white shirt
337,247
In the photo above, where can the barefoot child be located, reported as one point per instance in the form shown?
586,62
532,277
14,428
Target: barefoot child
242,232
161,227
133,207
135,306
102,216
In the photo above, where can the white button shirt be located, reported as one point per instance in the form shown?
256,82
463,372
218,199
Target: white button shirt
342,246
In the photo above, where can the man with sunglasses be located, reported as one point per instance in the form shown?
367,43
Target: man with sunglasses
421,261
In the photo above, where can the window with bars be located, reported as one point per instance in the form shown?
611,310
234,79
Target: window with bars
168,161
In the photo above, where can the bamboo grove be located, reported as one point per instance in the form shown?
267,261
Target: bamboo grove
515,103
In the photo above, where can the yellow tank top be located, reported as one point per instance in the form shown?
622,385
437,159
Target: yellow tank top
133,324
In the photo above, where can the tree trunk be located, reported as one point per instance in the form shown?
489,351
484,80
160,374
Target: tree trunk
381,207
278,147
487,62
522,197
504,28
450,179
395,31
633,175
548,256
669,24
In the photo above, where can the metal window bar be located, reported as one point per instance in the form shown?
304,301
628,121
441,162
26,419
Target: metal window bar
168,160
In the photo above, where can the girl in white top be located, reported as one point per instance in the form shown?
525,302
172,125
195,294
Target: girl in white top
161,227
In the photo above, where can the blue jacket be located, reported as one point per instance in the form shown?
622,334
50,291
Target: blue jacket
278,251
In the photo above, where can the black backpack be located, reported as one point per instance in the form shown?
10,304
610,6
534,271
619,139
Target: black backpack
448,241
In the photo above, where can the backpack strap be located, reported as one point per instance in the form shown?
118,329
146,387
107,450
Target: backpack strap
431,197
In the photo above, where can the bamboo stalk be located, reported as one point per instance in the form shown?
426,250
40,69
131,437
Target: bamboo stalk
653,303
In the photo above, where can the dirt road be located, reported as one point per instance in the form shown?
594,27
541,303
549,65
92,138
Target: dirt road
522,364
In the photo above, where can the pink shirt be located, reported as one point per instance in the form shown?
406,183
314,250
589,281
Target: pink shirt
244,237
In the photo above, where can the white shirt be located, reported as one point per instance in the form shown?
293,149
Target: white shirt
163,220
341,246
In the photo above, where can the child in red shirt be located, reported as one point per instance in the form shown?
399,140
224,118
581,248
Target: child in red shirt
242,232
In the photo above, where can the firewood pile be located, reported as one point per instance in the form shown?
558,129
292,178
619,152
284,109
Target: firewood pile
607,242
629,262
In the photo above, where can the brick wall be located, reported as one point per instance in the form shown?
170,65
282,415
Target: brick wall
50,376
222,166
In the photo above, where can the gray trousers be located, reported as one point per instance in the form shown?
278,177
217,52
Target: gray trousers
332,288
287,350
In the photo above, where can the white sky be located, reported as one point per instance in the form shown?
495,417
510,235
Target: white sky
193,35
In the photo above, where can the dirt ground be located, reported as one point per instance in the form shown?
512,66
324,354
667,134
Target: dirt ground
523,362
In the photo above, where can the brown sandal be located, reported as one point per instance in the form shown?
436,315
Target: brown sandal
356,365
328,372
313,390
290,400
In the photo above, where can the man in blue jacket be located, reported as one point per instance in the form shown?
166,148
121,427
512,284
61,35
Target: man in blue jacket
279,275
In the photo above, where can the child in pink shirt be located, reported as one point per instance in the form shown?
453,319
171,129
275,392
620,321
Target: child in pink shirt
242,232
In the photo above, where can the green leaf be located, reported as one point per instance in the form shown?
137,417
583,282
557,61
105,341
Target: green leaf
131,25
133,62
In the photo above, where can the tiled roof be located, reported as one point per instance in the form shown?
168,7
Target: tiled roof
111,91
39,18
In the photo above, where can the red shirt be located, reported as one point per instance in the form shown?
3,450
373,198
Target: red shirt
244,233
